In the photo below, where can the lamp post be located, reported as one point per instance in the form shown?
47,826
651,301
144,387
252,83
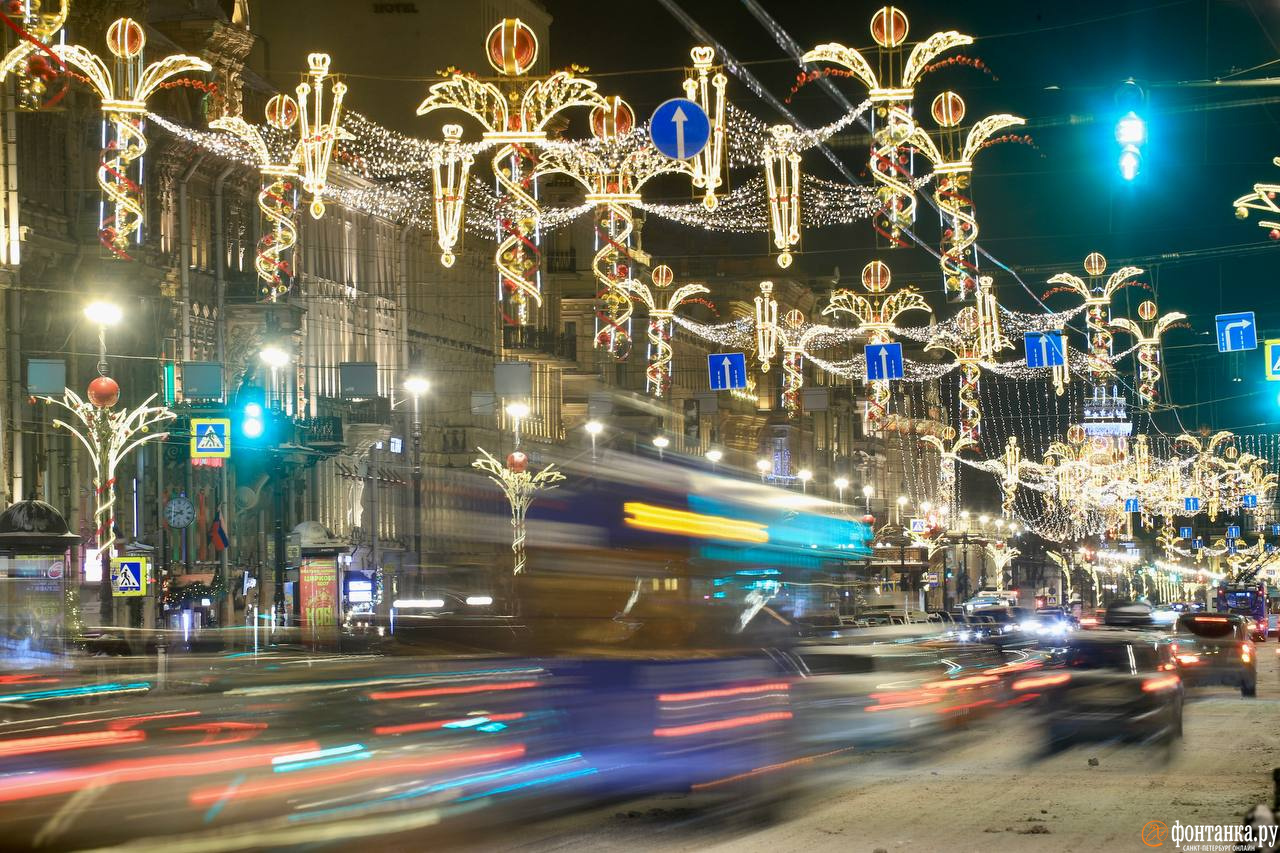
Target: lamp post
417,386
805,476
841,483
714,456
517,411
275,357
762,465
867,491
594,428
660,442
902,502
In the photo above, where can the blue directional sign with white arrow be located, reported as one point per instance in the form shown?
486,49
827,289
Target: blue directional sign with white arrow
884,361
679,128
1249,501
1131,505
1236,332
1191,504
727,370
1044,349
1233,531
1184,532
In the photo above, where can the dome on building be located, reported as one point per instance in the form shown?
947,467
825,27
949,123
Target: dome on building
34,524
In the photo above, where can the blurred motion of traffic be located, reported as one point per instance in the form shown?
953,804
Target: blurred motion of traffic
448,426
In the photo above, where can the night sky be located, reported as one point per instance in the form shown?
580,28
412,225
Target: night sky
1041,208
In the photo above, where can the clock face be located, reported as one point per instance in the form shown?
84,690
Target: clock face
179,512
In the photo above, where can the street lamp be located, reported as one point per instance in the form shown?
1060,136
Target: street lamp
660,442
713,456
593,428
805,476
275,358
926,507
763,466
417,386
103,314
867,491
982,520
902,501
841,483
517,411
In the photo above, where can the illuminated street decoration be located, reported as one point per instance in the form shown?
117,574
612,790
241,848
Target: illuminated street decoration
1015,467
1097,295
318,133
277,197
948,457
108,436
658,373
766,326
795,337
976,339
1148,341
952,158
1262,199
450,169
877,316
29,60
891,85
1000,554
705,86
782,187
515,115
520,486
124,91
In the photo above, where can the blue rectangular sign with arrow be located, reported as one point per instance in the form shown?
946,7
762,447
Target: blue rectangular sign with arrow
727,370
884,361
1045,349
1249,501
1237,332
1131,505
1191,504
1184,532
1233,531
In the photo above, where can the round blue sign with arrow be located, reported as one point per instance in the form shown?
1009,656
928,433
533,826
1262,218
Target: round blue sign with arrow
679,128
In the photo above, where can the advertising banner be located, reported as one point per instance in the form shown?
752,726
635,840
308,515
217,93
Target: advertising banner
318,592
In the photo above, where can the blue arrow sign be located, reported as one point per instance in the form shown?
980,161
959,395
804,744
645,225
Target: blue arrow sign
1250,501
1131,505
1231,547
1233,531
1184,532
1275,530
1191,504
1236,332
884,361
1045,349
727,370
679,128
1196,543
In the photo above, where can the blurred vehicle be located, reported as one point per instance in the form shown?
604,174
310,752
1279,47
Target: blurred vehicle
1248,600
1093,618
975,629
1129,614
1009,621
1110,685
1050,627
1165,616
1214,648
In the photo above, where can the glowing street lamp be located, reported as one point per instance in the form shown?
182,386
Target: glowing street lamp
841,483
867,491
103,314
902,502
714,456
763,466
805,476
593,428
416,386
517,411
661,442
274,357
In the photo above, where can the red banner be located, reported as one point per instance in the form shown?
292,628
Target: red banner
318,591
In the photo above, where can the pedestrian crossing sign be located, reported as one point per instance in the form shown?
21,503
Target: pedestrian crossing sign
128,576
210,438
1272,350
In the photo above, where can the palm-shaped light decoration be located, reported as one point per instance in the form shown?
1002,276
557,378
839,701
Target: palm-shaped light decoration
795,336
658,373
891,89
515,115
612,175
124,91
977,338
1064,566
1097,294
1148,341
952,158
277,195
1001,554
876,317
705,85
108,436
520,486
782,188
948,458
28,61
1013,467
1262,199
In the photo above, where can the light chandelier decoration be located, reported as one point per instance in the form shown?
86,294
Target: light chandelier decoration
1148,341
124,91
876,317
450,169
658,372
782,189
28,60
705,85
976,339
766,326
515,116
277,196
319,133
891,88
520,487
952,158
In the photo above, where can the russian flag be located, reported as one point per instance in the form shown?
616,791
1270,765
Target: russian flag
217,535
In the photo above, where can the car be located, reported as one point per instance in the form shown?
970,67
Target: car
1049,627
1109,684
1214,648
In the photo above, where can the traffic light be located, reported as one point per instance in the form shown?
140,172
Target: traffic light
251,422
1131,128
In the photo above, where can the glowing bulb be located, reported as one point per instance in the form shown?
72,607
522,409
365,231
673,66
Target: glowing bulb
805,474
416,385
715,455
841,483
660,442
594,427
519,411
103,313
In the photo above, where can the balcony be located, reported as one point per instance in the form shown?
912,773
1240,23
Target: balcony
529,341
375,411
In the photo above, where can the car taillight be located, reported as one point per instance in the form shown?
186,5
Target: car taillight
1163,682
1036,682
1186,659
1246,652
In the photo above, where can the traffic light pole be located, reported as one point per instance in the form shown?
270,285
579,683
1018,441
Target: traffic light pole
417,497
278,605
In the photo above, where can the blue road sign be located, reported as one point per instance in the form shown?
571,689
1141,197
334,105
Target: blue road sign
1131,505
1191,504
1184,532
1231,547
884,361
1196,543
1275,530
1236,332
1270,547
1233,531
679,128
210,438
1045,349
727,370
1250,501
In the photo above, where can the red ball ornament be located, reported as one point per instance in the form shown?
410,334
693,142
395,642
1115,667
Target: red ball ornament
1274,234
517,462
512,47
104,392
868,519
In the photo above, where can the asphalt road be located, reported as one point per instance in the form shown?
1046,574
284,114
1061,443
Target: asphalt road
982,791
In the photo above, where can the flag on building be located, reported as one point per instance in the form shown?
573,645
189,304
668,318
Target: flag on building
217,533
